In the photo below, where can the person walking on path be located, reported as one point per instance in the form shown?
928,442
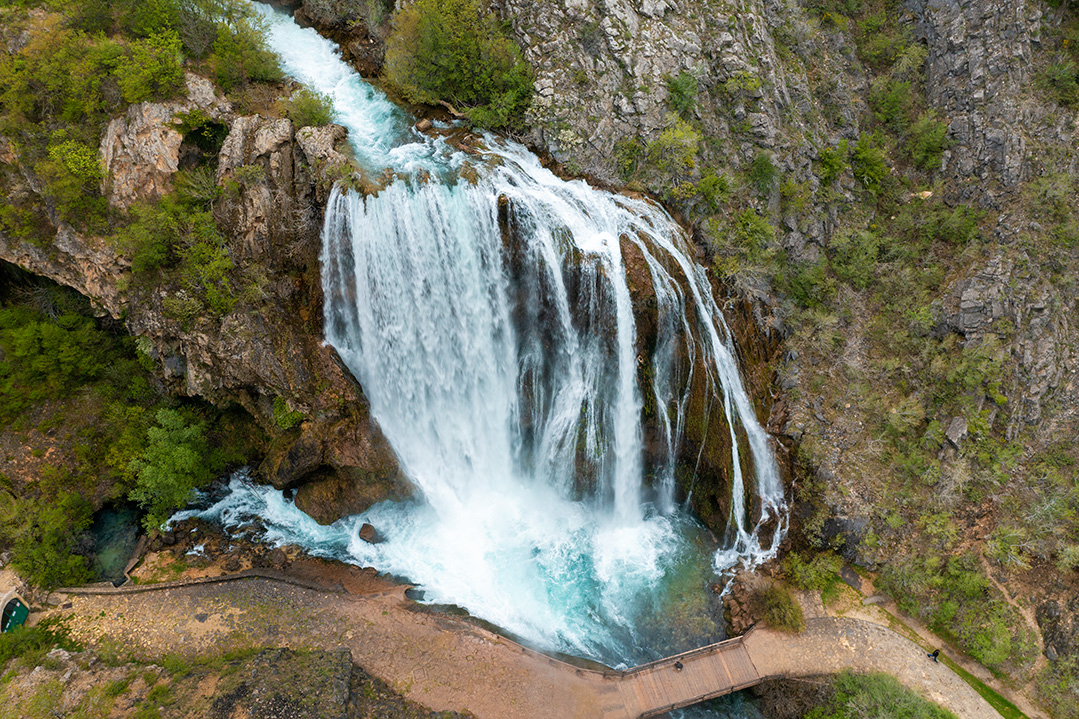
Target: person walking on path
934,655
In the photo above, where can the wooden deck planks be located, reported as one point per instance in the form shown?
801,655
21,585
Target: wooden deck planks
660,687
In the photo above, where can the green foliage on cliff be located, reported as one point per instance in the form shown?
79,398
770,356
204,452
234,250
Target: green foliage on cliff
78,395
178,238
879,696
285,418
682,94
84,61
454,51
308,108
176,461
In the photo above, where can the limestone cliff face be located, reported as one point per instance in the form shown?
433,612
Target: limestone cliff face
268,350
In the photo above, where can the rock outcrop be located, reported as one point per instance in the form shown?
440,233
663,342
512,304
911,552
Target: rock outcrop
141,150
266,353
602,72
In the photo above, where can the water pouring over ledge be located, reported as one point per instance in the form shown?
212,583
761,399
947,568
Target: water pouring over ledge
540,409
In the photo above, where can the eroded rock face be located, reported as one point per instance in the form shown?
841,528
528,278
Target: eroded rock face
602,69
345,493
268,349
979,74
1009,296
141,150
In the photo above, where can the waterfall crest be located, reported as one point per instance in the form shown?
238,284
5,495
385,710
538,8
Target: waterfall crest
492,317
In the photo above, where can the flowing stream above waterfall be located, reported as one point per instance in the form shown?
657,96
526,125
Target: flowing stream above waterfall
486,308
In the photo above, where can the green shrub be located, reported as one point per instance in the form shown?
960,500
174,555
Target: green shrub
854,257
1060,82
72,176
177,461
42,358
308,108
880,42
240,55
742,82
80,160
628,154
682,94
171,233
205,268
149,239
869,164
808,284
928,140
763,174
780,610
714,190
892,103
879,696
152,69
197,187
814,574
1058,687
42,532
672,157
454,51
832,163
753,231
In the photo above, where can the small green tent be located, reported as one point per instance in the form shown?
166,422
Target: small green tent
15,611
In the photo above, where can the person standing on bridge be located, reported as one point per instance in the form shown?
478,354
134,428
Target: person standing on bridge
677,666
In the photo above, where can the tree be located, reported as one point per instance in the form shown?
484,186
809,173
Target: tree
176,461
453,51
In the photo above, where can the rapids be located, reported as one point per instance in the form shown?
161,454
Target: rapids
489,321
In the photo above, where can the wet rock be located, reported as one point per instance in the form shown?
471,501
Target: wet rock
369,534
278,558
330,497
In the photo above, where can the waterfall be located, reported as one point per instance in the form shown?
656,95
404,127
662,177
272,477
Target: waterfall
486,308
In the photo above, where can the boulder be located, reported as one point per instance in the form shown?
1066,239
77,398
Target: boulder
331,496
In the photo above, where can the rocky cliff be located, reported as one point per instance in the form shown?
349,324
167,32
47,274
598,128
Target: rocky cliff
931,398
265,353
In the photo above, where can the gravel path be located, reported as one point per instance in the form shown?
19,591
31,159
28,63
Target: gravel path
830,645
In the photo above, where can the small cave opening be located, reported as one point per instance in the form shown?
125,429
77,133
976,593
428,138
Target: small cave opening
203,138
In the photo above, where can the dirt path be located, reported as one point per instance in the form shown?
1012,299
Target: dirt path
887,614
830,645
447,663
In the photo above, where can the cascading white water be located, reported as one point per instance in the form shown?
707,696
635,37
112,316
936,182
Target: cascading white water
489,321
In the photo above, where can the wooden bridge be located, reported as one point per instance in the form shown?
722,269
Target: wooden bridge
659,687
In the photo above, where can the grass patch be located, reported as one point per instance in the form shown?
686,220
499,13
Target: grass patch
998,702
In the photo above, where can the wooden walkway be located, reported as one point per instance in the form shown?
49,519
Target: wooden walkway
706,673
